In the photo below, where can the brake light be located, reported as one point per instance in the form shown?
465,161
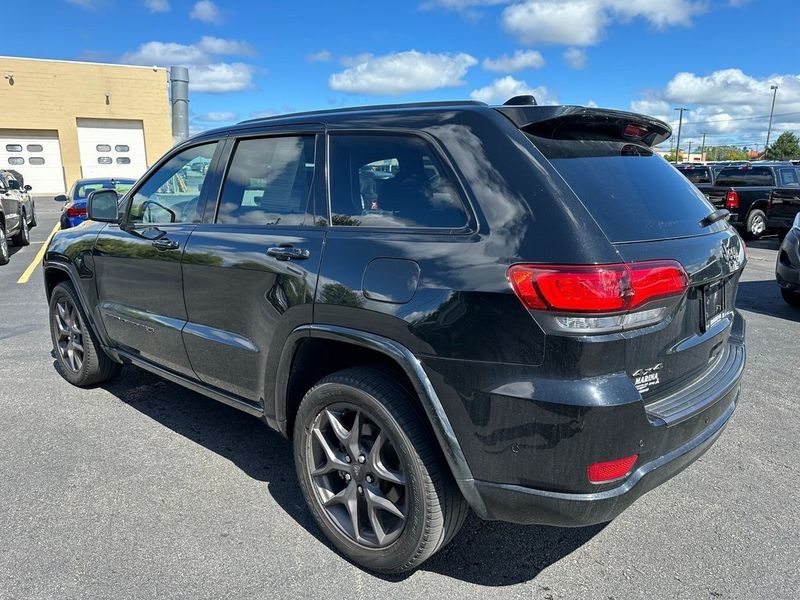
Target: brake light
732,199
635,131
596,288
74,211
604,472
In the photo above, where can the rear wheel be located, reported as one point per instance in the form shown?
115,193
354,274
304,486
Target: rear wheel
371,473
78,352
4,254
23,236
790,297
33,215
756,224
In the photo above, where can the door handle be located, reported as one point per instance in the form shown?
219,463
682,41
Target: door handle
288,253
165,244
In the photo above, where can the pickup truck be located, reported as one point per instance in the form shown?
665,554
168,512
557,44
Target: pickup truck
782,208
745,191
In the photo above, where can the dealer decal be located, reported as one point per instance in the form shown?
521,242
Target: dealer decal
644,379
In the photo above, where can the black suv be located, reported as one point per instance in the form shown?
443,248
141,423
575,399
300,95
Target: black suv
518,309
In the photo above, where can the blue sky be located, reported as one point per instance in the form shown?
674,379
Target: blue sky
246,58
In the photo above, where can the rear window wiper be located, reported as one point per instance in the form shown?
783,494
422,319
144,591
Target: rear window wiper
717,215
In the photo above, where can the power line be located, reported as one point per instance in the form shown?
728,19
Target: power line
725,120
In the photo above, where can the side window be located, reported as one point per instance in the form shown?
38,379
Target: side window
789,177
391,181
268,182
172,193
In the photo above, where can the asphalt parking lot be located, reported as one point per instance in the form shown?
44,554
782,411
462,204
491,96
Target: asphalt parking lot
142,489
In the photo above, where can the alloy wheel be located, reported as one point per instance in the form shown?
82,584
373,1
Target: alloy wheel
357,475
3,245
69,334
26,233
758,225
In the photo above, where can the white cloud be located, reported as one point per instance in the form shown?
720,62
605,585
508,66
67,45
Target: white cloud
584,22
502,89
521,59
402,73
575,58
206,72
321,56
206,11
728,105
217,117
157,6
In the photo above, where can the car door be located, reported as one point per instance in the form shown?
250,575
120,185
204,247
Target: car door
250,270
138,263
10,201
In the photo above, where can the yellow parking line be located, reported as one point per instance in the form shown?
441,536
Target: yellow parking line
37,260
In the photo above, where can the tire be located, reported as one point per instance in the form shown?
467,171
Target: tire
756,224
5,256
33,222
87,364
432,507
23,236
791,298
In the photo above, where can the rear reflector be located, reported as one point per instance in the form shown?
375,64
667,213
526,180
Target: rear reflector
596,288
603,472
732,199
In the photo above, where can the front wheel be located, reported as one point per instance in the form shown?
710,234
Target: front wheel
4,253
756,224
371,472
80,357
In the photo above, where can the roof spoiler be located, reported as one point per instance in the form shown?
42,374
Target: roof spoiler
580,122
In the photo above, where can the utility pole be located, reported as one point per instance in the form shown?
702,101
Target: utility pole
680,125
689,152
774,89
703,148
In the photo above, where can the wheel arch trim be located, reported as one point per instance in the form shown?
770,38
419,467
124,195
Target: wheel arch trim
412,367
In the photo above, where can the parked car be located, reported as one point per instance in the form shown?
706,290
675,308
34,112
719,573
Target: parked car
783,206
745,191
74,211
533,317
700,175
787,267
15,214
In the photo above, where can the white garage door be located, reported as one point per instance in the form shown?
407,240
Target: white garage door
37,156
111,148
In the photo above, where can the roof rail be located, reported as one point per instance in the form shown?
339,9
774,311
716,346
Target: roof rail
443,104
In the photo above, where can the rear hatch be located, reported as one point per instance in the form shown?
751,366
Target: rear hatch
650,212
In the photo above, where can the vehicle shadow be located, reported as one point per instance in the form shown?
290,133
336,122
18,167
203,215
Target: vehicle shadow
770,242
764,297
484,553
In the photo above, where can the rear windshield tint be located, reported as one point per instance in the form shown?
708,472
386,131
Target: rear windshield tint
743,177
696,174
632,193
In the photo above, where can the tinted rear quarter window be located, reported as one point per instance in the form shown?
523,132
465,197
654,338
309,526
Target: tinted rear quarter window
745,177
631,192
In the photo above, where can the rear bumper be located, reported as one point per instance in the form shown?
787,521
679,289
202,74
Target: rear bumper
527,505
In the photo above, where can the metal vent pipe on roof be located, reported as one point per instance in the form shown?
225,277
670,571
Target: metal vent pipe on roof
179,88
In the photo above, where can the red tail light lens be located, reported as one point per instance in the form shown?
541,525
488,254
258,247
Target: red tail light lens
603,472
73,211
732,200
634,130
596,288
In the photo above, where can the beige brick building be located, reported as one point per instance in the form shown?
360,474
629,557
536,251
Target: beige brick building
63,120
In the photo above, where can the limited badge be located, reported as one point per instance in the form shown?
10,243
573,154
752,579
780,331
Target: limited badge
644,379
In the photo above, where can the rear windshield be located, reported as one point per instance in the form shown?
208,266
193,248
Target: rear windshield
696,174
632,193
745,176
83,190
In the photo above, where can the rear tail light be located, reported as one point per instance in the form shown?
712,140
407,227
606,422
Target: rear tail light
605,472
73,211
731,199
599,297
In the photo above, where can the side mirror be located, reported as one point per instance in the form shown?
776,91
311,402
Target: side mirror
13,184
27,188
102,206
60,198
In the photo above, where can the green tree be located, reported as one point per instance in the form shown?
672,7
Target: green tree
785,147
670,156
725,153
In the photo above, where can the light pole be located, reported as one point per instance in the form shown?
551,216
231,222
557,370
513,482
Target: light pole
703,149
678,142
774,89
689,152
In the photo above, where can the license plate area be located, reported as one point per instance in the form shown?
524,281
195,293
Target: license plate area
713,297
